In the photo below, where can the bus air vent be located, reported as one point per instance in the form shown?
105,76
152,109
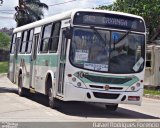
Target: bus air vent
105,95
116,88
96,86
102,87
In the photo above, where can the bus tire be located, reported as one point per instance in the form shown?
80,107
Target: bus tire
21,90
53,102
112,107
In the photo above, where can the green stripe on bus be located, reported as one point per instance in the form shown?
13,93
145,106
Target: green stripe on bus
133,80
41,60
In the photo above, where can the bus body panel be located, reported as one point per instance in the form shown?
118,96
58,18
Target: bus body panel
23,64
11,68
13,58
44,64
47,63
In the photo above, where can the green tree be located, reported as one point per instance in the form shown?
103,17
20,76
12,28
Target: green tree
29,11
1,2
148,9
4,40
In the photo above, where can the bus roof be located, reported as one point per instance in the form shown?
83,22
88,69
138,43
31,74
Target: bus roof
67,15
47,20
107,11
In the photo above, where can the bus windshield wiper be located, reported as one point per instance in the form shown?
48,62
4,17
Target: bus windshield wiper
99,35
119,40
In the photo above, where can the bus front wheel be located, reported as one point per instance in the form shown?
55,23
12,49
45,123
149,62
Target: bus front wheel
111,107
53,102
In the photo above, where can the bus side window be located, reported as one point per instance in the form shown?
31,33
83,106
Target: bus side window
18,44
53,46
24,42
45,38
12,48
29,42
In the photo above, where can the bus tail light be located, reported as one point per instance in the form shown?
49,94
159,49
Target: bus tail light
133,98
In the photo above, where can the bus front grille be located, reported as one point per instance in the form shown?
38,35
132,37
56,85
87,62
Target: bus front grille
105,95
107,80
102,87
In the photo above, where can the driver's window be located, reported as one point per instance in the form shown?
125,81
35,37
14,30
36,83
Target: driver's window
118,47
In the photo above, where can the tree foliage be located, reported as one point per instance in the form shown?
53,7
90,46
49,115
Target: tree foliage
148,9
29,11
1,2
4,40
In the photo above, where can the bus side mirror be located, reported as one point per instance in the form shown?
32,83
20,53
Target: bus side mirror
68,33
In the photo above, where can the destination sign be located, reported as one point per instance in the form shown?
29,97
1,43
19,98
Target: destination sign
104,20
109,20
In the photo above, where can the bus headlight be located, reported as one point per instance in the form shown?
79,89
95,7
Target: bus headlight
134,87
138,84
79,84
74,79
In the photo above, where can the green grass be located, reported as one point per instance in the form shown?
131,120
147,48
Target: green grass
3,67
151,92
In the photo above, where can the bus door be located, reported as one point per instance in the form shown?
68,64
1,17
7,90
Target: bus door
33,58
62,63
13,57
62,57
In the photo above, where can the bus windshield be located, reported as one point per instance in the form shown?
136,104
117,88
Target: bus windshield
107,51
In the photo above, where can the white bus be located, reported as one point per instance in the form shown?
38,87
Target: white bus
81,55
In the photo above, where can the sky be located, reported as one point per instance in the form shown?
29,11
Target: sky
7,8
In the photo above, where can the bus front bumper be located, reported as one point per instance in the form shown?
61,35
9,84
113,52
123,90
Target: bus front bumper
73,93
